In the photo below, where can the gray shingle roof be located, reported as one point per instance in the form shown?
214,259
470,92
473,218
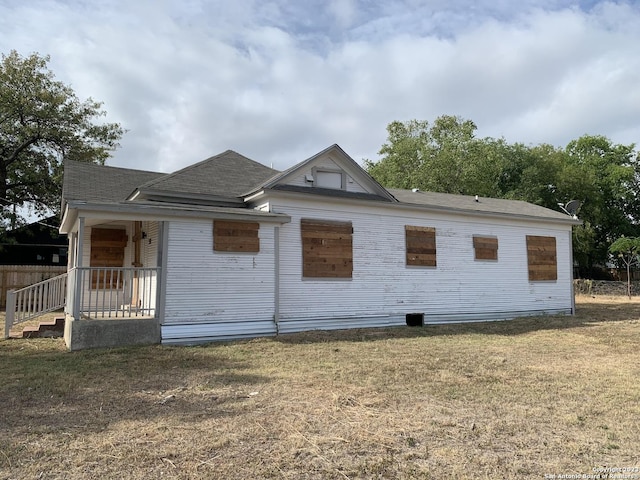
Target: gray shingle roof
91,182
230,175
468,203
227,175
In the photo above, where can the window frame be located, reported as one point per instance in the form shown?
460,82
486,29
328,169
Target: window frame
483,248
323,245
343,177
236,236
421,246
542,258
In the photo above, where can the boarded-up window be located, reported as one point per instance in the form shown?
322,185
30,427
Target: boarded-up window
107,250
327,249
486,248
542,258
420,245
234,236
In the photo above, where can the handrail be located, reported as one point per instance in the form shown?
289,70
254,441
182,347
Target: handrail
112,292
35,300
87,292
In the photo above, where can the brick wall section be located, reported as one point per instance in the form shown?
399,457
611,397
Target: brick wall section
601,287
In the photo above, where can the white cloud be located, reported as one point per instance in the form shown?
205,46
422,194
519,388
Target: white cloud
344,12
279,81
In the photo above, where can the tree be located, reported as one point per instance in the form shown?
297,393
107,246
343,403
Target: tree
627,250
446,156
609,194
442,157
43,123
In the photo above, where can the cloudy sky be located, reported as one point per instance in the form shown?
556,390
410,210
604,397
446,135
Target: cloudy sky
280,80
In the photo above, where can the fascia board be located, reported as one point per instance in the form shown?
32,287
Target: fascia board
274,194
151,212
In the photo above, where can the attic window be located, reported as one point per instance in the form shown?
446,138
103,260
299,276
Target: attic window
234,236
542,258
334,179
486,248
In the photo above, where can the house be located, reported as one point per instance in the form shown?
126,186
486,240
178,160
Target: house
229,248
37,243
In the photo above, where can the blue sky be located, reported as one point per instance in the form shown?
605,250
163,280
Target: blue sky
280,80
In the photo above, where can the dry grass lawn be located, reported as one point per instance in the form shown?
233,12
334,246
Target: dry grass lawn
517,400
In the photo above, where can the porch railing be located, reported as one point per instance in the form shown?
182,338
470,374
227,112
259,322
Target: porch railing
105,292
35,300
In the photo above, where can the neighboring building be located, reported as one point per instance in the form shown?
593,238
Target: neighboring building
230,248
37,243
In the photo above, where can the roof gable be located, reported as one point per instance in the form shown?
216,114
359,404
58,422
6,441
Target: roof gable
329,172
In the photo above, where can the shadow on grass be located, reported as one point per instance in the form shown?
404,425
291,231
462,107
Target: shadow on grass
45,388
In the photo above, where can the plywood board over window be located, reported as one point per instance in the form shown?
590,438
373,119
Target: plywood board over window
107,250
236,236
420,246
485,248
542,258
327,249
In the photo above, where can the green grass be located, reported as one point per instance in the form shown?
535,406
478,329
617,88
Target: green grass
519,399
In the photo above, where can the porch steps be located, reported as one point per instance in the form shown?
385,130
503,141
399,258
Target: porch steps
47,329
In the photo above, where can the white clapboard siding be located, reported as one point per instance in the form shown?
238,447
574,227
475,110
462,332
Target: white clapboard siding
216,294
150,244
383,289
149,256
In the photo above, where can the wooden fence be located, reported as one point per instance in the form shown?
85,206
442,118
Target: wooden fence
13,277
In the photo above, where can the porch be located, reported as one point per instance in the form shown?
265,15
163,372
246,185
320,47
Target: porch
103,306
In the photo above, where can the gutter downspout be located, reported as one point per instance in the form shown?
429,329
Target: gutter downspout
572,289
276,282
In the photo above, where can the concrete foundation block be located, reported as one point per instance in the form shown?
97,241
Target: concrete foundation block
81,334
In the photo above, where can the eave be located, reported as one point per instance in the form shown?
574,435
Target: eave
268,195
155,212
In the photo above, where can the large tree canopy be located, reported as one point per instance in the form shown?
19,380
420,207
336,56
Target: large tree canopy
42,123
446,156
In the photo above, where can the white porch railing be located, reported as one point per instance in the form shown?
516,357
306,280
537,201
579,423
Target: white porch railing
105,292
35,300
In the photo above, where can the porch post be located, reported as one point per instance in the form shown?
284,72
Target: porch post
161,287
79,276
10,312
71,263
